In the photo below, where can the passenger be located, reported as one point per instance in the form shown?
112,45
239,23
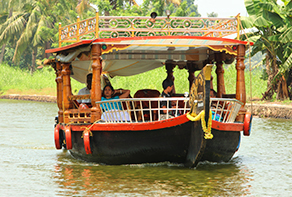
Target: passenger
167,85
214,105
108,92
86,90
113,109
213,93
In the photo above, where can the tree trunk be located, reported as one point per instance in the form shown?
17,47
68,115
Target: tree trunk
47,46
282,90
2,53
33,60
4,45
272,70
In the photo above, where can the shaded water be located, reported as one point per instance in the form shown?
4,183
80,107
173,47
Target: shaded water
31,166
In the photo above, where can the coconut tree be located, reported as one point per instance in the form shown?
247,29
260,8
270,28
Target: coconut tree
6,10
34,24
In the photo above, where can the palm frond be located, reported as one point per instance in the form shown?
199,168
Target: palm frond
14,28
286,36
37,39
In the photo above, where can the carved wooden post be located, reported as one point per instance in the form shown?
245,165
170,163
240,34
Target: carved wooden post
66,89
169,65
240,81
59,82
220,74
95,87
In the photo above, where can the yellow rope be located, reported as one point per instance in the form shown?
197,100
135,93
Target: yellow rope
87,129
201,115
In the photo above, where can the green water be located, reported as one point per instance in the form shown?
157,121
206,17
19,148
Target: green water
31,166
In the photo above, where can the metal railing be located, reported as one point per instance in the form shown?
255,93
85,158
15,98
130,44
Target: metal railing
149,109
135,26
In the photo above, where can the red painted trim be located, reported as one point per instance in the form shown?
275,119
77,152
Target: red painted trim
111,40
169,37
68,137
146,126
57,137
86,139
227,126
83,42
247,124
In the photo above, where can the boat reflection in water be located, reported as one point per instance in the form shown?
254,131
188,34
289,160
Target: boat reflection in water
76,177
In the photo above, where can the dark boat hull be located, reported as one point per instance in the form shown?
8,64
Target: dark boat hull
176,141
222,147
134,147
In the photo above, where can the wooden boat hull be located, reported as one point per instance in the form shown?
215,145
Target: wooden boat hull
181,142
222,147
134,147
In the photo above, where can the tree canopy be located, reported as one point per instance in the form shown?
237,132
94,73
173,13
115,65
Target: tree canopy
28,27
272,35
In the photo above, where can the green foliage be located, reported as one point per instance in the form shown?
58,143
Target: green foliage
22,80
272,36
14,78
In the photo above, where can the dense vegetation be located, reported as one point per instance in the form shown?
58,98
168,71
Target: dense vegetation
272,35
16,80
28,27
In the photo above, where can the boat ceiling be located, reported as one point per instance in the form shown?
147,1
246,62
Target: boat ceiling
131,56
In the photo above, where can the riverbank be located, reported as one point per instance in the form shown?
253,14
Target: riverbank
43,98
262,110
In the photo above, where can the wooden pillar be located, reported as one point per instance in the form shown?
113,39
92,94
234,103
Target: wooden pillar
169,66
220,74
66,90
59,82
95,87
240,81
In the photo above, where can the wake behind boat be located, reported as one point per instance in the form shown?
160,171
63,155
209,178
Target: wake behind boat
198,128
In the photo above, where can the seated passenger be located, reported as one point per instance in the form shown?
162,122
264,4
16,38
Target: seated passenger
112,110
86,90
167,85
214,105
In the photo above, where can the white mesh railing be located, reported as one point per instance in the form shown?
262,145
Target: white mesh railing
225,110
142,109
133,110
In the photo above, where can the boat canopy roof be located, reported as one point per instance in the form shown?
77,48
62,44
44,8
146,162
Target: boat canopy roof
124,52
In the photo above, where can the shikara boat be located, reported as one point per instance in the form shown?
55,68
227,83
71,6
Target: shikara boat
205,129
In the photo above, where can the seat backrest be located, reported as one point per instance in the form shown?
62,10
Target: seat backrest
147,93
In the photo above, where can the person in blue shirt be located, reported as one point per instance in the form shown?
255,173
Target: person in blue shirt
108,94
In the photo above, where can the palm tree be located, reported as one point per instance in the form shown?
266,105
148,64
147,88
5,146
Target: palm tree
34,24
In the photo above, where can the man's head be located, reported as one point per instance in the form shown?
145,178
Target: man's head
89,80
167,85
213,93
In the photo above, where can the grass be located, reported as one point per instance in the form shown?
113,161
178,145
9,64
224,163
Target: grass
17,81
42,82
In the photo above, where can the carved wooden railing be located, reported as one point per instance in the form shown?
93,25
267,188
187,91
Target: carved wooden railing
133,26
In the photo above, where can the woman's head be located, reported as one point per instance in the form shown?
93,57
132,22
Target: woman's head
108,91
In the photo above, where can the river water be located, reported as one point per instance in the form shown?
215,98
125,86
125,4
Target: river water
31,166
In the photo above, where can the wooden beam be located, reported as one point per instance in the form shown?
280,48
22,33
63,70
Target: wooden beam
67,104
59,82
219,57
240,81
95,87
